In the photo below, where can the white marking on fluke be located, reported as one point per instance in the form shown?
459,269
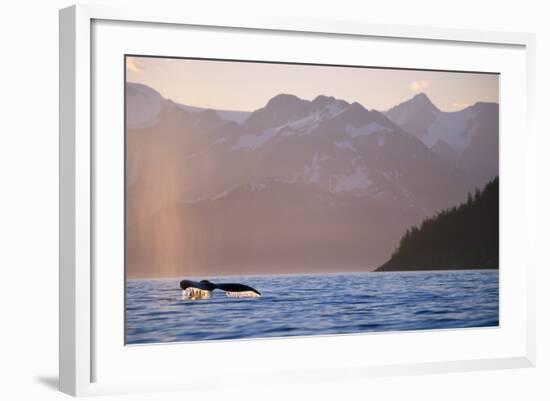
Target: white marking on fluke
242,294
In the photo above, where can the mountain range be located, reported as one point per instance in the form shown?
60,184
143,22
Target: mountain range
296,184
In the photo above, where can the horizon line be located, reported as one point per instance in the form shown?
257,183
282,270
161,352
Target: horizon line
307,274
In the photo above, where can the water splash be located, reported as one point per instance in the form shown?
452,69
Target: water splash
192,294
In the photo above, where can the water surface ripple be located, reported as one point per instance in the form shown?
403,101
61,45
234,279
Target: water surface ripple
297,305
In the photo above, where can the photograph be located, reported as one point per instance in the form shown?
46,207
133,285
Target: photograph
269,199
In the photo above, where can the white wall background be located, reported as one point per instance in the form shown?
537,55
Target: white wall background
29,200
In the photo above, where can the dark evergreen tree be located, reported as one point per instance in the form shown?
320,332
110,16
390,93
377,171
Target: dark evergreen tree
461,237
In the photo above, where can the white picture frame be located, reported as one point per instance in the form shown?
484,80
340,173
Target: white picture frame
85,329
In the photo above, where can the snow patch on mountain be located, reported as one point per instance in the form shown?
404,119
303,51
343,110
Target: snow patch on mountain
307,124
218,141
345,145
334,109
312,171
304,125
451,128
357,180
257,186
218,196
391,175
366,130
251,141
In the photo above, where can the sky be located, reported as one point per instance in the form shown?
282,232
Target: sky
247,86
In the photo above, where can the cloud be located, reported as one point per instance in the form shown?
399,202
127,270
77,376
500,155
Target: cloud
418,85
133,65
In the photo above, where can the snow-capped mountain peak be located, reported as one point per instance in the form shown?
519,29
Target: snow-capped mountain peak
419,107
422,100
462,138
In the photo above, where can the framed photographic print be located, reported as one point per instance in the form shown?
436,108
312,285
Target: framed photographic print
269,188
260,175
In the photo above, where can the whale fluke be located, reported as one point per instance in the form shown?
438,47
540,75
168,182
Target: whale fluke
203,289
201,285
233,287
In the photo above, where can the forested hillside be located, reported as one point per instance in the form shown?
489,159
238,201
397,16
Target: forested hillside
462,237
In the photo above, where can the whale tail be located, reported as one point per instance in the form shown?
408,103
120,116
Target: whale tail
193,290
238,290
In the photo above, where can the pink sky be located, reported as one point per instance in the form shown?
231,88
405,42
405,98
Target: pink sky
248,86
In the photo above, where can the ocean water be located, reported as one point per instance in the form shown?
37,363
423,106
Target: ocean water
301,305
